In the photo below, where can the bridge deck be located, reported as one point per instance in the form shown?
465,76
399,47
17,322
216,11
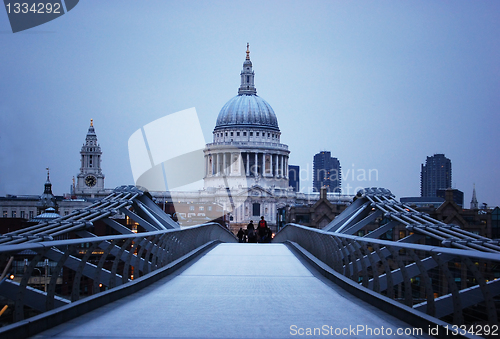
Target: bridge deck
234,291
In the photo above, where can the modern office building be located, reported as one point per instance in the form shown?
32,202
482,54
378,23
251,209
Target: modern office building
435,175
326,172
294,177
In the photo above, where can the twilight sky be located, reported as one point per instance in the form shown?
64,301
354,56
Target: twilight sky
380,84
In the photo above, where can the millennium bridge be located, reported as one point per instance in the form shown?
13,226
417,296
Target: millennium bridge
199,282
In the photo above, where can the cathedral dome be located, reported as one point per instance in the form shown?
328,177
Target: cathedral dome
247,111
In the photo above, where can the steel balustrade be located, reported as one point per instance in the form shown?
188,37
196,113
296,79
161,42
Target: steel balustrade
375,203
458,286
106,268
458,283
91,264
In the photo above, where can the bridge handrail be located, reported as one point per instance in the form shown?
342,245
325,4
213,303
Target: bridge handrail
402,245
106,261
457,286
56,243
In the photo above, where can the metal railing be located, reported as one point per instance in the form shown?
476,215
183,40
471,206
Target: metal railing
87,266
455,285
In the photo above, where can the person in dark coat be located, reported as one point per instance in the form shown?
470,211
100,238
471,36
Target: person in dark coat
241,235
269,236
251,232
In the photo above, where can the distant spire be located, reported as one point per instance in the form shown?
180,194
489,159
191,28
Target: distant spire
247,86
48,185
473,202
91,132
47,199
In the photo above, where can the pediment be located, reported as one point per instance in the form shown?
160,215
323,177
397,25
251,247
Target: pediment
256,191
323,204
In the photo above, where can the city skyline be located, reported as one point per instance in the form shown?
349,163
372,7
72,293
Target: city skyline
381,85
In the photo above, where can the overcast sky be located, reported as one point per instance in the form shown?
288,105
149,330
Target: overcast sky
380,84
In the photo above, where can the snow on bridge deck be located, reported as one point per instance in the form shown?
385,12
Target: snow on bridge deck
234,291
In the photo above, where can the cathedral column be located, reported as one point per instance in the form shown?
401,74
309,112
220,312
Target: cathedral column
259,172
275,165
281,171
263,164
278,174
263,171
248,165
211,162
235,163
271,165
239,163
224,163
209,165
218,164
231,163
214,164
256,169
206,165
286,167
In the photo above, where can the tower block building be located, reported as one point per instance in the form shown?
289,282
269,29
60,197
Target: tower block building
90,180
435,175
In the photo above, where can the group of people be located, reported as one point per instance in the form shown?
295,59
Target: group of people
253,234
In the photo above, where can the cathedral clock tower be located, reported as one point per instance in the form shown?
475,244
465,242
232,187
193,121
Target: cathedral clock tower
90,179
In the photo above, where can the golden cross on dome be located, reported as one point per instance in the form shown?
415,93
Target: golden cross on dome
248,51
92,122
